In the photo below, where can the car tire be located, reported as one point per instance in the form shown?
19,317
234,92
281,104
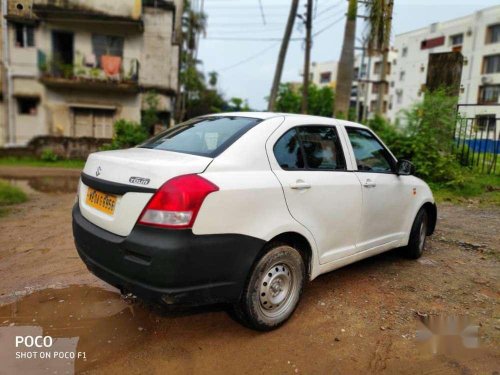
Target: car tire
418,234
273,288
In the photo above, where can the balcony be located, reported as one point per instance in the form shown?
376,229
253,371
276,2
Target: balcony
113,74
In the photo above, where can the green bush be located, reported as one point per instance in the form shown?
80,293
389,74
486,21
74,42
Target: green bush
427,137
320,100
10,194
127,134
48,155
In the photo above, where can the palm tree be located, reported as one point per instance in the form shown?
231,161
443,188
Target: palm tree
345,71
282,55
379,24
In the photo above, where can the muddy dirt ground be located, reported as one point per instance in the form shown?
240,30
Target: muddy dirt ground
362,318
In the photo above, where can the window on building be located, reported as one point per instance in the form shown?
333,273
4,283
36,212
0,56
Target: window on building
404,52
491,64
93,122
402,75
356,73
431,43
486,122
399,97
489,94
25,35
377,68
325,77
493,33
363,70
27,106
457,39
106,45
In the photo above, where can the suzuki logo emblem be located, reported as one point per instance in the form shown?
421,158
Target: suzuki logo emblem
98,171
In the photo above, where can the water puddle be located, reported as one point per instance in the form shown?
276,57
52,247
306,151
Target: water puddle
45,184
93,329
85,326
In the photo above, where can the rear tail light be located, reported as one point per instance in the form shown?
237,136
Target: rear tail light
177,202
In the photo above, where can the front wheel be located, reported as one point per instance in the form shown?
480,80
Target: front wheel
273,289
418,234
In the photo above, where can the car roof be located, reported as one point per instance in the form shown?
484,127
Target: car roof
268,115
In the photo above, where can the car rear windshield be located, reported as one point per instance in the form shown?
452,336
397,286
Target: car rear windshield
207,136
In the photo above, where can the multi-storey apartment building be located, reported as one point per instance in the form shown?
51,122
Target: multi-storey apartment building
73,67
477,38
365,85
324,73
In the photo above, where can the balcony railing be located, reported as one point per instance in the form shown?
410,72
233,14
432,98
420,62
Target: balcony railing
112,73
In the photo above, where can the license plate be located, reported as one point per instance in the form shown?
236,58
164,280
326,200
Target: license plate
101,201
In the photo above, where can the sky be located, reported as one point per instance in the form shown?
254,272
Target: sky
246,66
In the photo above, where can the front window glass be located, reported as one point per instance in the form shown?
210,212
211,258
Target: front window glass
370,155
205,137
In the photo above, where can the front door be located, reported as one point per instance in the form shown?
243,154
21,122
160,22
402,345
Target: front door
386,197
319,191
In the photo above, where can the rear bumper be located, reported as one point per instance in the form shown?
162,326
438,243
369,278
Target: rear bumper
164,266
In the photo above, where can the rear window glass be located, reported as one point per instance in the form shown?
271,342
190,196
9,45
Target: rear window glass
206,137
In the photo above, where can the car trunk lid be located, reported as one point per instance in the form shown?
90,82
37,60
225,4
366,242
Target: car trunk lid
129,179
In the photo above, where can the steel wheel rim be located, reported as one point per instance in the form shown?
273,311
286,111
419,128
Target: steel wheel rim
422,234
276,290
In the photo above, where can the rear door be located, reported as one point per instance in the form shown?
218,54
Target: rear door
320,192
386,197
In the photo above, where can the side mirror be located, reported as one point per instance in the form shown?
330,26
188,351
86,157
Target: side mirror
405,168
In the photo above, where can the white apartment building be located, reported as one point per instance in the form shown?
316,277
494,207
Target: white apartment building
324,73
477,37
365,85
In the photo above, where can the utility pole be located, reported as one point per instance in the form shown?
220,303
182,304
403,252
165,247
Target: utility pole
307,58
282,55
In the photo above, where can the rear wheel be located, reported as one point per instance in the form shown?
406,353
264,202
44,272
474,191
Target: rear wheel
418,234
273,289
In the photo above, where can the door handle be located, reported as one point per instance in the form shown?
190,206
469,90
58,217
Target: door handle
369,184
300,185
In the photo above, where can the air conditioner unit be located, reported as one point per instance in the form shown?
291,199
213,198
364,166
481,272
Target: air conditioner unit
20,9
486,79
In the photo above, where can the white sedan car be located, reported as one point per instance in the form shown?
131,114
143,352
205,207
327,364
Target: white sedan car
243,208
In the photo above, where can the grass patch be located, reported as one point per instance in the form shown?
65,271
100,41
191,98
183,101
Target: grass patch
34,162
482,188
10,194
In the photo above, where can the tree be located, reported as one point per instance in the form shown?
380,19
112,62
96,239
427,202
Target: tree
282,55
320,100
213,77
150,116
345,72
379,24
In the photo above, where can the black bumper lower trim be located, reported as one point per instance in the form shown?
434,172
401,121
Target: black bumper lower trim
168,266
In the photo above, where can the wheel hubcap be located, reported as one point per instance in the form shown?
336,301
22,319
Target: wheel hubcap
276,288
